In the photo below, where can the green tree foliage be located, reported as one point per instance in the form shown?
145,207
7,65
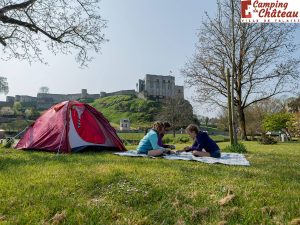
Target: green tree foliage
17,108
31,113
277,121
294,124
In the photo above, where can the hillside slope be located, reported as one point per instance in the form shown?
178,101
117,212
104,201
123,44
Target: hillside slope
140,112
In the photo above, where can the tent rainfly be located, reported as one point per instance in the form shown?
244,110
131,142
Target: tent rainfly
70,126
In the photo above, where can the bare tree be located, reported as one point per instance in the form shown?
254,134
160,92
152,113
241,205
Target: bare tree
264,62
178,112
3,85
64,26
44,90
294,105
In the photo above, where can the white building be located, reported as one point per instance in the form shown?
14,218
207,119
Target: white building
124,124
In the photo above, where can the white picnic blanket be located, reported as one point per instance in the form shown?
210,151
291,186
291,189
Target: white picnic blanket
226,158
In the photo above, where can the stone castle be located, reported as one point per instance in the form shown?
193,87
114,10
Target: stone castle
154,87
159,87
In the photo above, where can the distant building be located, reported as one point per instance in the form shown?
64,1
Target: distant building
158,87
10,99
154,87
124,124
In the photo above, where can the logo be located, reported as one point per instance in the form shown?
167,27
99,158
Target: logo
245,8
270,11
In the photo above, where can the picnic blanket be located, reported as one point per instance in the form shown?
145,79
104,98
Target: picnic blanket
226,158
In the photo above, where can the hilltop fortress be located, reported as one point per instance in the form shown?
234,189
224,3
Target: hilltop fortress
154,87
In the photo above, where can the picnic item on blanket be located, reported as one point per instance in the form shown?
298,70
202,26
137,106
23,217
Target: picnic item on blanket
226,158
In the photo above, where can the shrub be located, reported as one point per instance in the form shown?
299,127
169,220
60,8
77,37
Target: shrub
266,140
181,139
9,142
168,140
239,148
184,139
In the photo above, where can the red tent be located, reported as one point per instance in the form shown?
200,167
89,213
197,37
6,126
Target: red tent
70,126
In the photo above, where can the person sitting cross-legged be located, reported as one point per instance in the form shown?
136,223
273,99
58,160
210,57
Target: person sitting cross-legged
202,142
149,143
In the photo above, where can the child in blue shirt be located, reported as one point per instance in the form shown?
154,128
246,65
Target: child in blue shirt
149,144
202,141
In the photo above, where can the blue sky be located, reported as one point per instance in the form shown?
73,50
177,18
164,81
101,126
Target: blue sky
145,36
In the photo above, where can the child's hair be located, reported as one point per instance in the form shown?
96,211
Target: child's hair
192,128
167,124
158,125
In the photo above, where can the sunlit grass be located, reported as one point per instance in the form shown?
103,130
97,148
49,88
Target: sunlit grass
101,188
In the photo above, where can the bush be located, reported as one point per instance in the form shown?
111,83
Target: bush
266,140
239,148
182,140
9,142
168,140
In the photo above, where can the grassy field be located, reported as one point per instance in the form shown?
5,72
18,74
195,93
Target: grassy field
101,188
168,138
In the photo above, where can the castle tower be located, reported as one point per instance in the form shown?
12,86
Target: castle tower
84,93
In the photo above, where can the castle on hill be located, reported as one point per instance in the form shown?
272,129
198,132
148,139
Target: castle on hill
154,87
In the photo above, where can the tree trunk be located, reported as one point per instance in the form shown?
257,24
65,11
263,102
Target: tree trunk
233,75
242,121
229,107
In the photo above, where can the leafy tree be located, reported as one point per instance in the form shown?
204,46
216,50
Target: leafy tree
3,85
65,26
294,124
44,90
31,113
277,121
17,108
264,64
257,112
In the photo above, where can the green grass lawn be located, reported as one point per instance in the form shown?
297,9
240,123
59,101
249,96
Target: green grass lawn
168,137
101,188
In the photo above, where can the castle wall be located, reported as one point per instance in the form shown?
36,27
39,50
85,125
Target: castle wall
159,86
156,87
6,104
58,97
27,99
141,86
179,91
10,99
93,96
123,92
